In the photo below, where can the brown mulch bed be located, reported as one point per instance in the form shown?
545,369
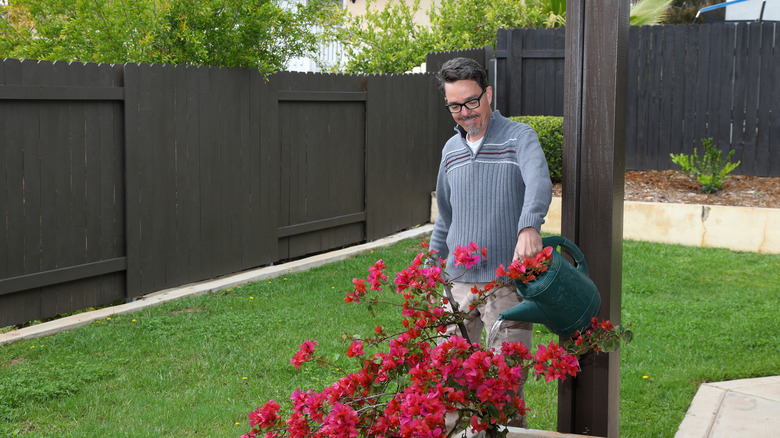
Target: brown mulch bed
675,187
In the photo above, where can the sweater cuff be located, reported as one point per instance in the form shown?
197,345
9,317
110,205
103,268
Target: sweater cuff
531,222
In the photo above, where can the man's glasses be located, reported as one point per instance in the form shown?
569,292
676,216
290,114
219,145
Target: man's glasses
472,104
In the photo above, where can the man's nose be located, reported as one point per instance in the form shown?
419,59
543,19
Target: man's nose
465,112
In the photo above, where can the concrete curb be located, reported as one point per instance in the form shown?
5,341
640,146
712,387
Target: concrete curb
710,226
227,282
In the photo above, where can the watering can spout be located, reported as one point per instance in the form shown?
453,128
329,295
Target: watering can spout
528,311
563,298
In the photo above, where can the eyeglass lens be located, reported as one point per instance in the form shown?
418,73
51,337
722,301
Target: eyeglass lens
470,104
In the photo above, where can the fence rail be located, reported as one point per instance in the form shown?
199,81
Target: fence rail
125,180
686,83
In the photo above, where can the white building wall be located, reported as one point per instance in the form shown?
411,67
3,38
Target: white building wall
750,10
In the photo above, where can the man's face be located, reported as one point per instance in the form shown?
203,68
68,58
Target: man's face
474,121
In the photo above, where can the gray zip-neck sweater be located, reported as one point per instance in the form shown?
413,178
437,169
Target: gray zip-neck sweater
488,197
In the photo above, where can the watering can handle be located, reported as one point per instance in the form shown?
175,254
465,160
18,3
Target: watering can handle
569,246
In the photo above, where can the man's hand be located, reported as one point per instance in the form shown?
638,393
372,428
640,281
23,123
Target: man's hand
529,243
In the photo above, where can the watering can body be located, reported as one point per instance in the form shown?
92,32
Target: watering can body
563,298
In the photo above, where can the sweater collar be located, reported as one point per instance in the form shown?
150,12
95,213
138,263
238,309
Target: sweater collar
494,118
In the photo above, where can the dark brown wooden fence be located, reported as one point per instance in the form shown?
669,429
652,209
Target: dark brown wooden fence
124,180
686,82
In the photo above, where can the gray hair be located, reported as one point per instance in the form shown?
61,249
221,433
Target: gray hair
458,69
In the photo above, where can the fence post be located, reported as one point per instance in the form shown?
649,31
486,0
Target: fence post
593,176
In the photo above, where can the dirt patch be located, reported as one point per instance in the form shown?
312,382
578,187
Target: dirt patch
187,310
670,186
14,361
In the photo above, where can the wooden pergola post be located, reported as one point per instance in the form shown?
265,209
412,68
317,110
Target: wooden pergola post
592,200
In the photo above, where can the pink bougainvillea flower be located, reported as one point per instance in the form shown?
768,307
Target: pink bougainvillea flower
341,422
512,348
304,353
356,349
376,275
553,362
265,417
360,290
467,256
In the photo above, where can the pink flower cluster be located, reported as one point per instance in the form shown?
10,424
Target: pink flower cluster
375,278
528,269
554,363
418,277
593,338
468,256
304,353
453,376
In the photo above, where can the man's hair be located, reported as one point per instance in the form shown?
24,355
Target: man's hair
458,69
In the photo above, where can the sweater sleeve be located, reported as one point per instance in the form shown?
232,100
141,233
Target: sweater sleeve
536,177
441,227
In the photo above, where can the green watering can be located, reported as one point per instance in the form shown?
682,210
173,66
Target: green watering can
563,298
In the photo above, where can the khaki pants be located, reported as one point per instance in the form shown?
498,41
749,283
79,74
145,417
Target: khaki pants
484,316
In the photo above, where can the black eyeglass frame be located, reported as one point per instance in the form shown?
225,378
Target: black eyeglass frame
467,104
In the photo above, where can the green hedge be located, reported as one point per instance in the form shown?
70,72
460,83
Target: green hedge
550,132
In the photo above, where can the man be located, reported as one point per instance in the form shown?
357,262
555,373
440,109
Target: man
494,189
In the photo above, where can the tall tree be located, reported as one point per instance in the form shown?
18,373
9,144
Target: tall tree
232,33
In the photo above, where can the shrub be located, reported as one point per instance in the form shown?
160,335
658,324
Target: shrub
550,132
710,169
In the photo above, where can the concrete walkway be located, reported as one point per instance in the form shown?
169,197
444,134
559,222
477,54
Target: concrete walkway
747,408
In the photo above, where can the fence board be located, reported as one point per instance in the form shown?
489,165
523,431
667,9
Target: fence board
155,227
180,264
765,109
14,174
190,134
728,101
632,99
666,107
269,170
53,134
741,128
749,156
643,111
654,123
741,77
209,170
92,172
515,72
677,127
531,82
132,181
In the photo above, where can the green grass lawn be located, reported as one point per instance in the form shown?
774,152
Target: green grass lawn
197,366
